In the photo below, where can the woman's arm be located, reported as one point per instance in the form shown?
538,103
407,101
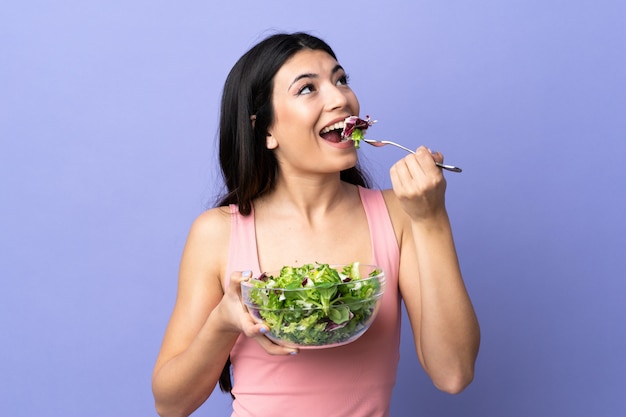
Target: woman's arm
205,323
445,327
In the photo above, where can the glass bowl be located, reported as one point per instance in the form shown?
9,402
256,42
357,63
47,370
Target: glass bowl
316,306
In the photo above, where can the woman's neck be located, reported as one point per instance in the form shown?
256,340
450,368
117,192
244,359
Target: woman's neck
307,197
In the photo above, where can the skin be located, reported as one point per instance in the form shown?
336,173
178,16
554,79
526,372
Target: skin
310,92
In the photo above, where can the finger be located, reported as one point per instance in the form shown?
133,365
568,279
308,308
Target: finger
434,155
415,164
233,291
438,157
408,170
274,349
243,276
425,156
251,326
405,173
237,277
235,280
427,160
399,174
257,331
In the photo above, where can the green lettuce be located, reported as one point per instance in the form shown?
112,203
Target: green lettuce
316,304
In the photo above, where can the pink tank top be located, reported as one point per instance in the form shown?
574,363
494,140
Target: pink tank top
356,379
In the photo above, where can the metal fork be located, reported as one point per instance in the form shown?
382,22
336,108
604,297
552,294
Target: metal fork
379,143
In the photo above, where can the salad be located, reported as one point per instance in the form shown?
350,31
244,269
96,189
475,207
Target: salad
354,128
316,304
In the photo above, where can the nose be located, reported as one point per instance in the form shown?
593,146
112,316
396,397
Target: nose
337,97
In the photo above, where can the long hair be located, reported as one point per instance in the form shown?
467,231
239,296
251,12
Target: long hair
249,169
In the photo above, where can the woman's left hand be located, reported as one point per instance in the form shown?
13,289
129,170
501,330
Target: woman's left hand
419,184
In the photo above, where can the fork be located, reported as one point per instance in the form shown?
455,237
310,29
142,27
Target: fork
379,143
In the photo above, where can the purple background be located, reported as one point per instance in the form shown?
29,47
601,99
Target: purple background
108,117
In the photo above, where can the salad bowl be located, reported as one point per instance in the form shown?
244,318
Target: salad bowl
316,306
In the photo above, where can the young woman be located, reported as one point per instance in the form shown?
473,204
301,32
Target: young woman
294,196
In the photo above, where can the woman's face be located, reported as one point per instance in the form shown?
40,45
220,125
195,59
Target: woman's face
310,94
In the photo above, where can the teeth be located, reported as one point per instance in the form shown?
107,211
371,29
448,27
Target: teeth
336,126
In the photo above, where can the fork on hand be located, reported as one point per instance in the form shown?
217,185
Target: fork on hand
379,143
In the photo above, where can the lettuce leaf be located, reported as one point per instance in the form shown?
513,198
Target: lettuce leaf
354,127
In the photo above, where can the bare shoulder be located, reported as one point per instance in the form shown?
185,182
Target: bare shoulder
207,244
399,218
390,199
212,223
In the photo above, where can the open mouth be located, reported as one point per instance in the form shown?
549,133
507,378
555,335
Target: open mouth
334,132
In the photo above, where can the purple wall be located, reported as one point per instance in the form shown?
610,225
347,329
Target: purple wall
108,117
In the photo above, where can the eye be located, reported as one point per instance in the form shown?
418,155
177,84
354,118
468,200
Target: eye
343,80
306,89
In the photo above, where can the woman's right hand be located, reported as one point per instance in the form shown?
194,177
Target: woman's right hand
236,317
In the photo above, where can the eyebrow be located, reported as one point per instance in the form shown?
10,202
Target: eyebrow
312,75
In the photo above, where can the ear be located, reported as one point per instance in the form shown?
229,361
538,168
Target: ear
253,120
270,141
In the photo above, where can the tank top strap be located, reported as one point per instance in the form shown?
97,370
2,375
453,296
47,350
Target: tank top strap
242,251
384,243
